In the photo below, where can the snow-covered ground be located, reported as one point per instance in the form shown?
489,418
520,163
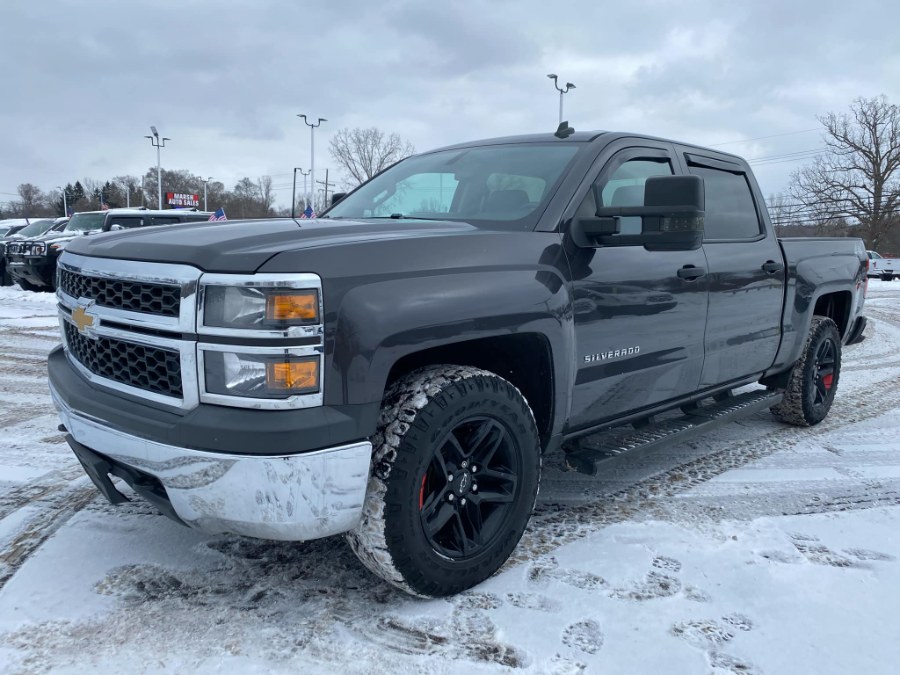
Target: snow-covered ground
758,548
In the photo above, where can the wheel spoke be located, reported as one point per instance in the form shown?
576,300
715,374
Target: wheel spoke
484,446
433,502
442,511
488,496
821,391
460,530
456,447
440,464
471,514
498,475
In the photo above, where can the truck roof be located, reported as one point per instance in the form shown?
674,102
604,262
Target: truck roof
580,137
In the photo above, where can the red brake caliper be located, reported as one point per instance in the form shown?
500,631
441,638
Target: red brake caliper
422,493
827,380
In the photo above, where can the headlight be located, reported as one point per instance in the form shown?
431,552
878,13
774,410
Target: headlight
37,249
275,376
259,307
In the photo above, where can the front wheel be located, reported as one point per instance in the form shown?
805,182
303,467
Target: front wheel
455,474
814,377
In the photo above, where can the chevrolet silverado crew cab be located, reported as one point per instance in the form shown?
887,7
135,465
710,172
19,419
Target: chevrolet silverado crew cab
394,370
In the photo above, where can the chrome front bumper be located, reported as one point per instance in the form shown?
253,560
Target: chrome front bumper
292,497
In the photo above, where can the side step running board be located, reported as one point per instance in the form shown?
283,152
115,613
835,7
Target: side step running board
594,449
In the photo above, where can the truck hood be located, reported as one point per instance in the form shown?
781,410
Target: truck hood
52,237
244,246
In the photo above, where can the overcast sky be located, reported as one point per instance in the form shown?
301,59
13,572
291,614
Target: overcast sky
82,81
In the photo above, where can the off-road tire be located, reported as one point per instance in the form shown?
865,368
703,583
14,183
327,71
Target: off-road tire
413,445
807,399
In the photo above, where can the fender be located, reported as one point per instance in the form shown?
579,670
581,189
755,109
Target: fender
385,300
809,279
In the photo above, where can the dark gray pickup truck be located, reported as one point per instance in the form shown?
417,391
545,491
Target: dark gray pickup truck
394,370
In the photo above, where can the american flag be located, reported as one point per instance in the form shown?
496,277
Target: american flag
218,215
308,213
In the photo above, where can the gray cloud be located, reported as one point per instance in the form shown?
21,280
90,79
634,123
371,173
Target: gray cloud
82,81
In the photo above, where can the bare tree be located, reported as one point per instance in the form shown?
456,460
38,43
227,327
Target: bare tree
858,174
32,199
266,194
365,152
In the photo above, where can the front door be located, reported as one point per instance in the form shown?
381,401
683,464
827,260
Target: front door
638,325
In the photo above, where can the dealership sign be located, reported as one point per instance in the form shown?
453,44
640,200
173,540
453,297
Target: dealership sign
180,200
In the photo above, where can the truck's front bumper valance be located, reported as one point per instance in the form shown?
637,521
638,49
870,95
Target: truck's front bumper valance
290,497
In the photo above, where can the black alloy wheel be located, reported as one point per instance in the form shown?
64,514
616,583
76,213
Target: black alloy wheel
467,493
455,472
813,379
823,371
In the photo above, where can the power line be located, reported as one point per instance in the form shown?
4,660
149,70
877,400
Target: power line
762,138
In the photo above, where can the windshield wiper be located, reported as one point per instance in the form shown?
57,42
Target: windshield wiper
400,216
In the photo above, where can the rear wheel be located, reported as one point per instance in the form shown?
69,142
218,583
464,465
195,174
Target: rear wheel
814,377
455,475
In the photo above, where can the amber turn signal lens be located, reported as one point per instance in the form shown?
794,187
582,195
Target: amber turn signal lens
293,376
293,307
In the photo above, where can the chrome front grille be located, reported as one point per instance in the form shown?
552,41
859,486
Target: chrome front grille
133,327
129,326
141,366
134,296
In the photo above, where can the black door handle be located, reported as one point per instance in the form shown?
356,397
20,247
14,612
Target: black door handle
691,272
771,266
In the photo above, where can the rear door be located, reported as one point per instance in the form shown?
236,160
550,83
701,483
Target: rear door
746,273
638,325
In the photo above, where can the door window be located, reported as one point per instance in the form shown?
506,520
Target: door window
125,222
625,187
730,209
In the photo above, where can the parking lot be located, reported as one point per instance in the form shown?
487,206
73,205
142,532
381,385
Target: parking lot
757,548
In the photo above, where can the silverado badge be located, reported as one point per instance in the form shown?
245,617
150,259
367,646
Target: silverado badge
82,319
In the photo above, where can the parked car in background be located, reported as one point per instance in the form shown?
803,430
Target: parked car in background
35,229
32,263
883,268
11,226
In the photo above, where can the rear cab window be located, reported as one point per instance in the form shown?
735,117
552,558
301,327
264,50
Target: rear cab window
731,211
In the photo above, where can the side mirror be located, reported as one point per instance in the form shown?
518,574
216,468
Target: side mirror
672,218
337,196
679,226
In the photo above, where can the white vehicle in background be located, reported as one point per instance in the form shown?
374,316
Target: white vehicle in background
883,268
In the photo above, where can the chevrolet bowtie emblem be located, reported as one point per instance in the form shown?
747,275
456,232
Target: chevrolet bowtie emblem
82,319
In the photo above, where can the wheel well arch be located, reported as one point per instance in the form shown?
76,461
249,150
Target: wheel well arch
524,359
836,306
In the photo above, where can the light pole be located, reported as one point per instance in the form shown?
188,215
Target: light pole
205,183
312,150
561,91
65,204
294,191
305,176
158,143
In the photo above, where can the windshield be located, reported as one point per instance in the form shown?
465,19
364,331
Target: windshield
872,254
82,222
36,227
497,186
3,231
